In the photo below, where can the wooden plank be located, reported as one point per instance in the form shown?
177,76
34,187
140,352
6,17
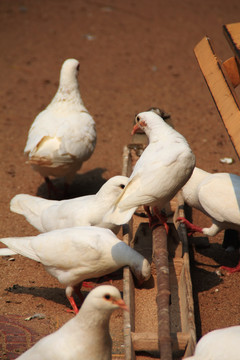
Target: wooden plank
232,33
128,285
233,71
221,89
148,341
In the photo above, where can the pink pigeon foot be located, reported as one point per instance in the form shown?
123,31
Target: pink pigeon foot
192,228
87,284
162,218
73,304
156,218
231,270
80,296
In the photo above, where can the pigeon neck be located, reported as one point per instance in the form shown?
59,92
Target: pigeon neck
68,92
94,317
157,134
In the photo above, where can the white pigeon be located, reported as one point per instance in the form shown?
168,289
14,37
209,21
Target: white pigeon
86,336
46,215
73,255
216,195
63,135
163,168
221,344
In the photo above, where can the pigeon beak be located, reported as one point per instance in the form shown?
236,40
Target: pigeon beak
121,303
135,128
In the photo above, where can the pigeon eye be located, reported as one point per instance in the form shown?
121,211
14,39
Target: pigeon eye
107,297
78,67
122,186
138,118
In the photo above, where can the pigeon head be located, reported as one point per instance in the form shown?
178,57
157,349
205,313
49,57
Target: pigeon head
114,187
147,121
105,297
69,72
142,271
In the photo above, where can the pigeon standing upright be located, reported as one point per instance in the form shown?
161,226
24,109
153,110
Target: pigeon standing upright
163,168
63,135
89,210
87,335
73,255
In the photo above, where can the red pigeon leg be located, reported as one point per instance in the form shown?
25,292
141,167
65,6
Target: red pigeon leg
192,228
231,270
78,292
151,217
162,218
73,304
156,218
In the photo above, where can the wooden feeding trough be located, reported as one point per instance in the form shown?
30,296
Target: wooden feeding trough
161,318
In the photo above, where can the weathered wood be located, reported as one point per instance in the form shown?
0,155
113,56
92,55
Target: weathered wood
232,33
233,70
128,317
221,89
160,258
148,341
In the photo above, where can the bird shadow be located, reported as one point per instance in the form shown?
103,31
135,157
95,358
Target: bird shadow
216,252
83,184
54,294
202,280
58,295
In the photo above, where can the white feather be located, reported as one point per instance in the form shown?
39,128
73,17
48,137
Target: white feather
221,344
75,254
86,336
163,168
46,215
63,135
216,195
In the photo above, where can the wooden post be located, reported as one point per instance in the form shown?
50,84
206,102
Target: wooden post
160,258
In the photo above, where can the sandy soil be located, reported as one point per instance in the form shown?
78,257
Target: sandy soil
133,55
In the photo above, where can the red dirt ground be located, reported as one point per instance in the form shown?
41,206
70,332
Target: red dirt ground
133,55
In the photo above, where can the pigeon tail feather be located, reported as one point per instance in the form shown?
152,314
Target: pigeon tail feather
31,207
7,252
21,246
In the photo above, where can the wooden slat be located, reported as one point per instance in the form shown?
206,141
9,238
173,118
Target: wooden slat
233,70
232,33
221,89
148,341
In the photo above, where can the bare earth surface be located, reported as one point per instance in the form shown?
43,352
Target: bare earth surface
133,55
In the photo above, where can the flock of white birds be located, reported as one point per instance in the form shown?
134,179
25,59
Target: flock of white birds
78,240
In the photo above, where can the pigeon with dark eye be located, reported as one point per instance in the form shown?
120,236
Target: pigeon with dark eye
87,335
46,215
75,254
164,167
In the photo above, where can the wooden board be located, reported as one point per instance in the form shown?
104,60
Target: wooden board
221,89
232,33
